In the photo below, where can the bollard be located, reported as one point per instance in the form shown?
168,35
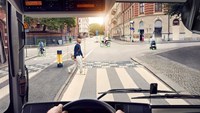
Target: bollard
59,58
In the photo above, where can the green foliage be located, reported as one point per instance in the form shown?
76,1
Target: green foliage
52,23
93,27
174,8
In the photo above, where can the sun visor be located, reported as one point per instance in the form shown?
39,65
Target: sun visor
63,8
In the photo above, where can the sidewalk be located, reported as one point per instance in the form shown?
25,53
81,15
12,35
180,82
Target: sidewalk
173,73
147,42
29,53
32,52
128,42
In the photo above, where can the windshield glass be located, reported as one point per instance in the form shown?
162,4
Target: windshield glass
134,45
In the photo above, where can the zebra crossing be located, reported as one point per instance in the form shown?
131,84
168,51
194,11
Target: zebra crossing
97,80
32,68
3,71
96,64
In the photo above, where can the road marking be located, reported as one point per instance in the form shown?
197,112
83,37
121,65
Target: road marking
3,79
152,79
5,90
74,89
129,83
103,84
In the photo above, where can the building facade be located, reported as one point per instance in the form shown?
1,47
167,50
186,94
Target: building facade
132,21
83,24
51,37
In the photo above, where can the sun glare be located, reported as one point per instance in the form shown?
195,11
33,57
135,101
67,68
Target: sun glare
99,20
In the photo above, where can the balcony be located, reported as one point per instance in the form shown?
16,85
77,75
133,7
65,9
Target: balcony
114,10
114,21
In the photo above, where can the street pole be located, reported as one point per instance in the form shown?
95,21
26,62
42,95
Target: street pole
84,55
26,44
123,23
168,26
130,30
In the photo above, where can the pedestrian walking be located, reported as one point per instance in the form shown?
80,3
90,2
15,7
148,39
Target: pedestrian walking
70,39
152,43
41,47
78,55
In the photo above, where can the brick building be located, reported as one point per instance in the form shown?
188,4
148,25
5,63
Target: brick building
128,21
50,37
83,24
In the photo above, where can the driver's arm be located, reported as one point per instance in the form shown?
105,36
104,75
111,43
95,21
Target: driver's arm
58,109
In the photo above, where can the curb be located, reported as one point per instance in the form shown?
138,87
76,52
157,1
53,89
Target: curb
64,86
146,42
31,57
130,43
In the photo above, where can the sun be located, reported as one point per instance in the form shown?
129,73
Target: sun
98,20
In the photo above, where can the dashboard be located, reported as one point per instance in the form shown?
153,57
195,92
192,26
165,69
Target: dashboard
126,107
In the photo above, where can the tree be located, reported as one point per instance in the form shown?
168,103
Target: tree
174,8
96,27
52,23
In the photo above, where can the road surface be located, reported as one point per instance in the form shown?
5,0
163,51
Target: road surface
105,68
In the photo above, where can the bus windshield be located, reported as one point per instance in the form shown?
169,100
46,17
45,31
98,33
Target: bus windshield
80,57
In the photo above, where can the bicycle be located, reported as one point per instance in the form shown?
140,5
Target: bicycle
105,43
41,52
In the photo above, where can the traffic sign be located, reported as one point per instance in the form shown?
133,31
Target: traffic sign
26,26
132,28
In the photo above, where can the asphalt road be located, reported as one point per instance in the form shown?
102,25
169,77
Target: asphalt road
189,56
46,79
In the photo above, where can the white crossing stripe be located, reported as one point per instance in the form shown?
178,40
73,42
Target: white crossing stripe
103,84
74,90
3,79
129,83
152,79
5,90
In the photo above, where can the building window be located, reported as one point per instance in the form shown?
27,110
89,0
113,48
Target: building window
158,7
158,28
141,8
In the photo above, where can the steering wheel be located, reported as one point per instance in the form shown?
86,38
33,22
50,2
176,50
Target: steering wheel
90,102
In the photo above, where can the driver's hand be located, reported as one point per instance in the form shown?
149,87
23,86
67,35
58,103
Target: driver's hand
119,111
57,109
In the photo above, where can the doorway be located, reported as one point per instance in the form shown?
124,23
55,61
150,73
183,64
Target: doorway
141,30
158,28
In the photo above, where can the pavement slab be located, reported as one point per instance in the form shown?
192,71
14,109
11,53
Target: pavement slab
187,78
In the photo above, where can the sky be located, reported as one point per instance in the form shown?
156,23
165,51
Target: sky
99,20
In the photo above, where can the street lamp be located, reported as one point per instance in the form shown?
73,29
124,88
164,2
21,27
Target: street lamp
131,28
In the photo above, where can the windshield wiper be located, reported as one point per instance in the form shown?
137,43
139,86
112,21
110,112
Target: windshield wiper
172,96
131,90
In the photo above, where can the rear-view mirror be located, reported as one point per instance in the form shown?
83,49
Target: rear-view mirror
191,15
2,50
